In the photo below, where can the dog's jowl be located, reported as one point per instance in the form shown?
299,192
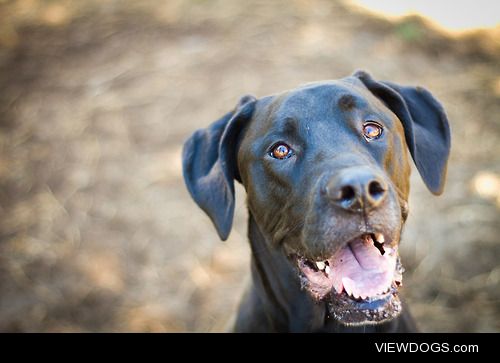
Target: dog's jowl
326,169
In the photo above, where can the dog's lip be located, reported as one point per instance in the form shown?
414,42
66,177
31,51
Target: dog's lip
389,241
375,311
351,304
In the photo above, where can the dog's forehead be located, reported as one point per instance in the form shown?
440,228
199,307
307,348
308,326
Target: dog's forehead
314,100
330,94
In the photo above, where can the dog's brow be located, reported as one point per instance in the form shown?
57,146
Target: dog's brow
288,126
346,102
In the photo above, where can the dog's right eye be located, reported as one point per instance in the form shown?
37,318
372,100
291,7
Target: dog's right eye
372,130
281,151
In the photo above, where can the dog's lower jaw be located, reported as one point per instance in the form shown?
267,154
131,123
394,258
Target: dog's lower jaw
275,302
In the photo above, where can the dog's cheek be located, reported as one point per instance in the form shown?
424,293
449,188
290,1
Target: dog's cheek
397,164
264,198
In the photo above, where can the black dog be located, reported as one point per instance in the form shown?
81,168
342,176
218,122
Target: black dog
326,170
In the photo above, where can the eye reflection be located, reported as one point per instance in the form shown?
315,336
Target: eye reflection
281,151
372,130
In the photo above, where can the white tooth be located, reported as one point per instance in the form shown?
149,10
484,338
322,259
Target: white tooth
379,237
327,270
320,265
348,285
355,294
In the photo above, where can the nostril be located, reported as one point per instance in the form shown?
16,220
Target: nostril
376,189
347,194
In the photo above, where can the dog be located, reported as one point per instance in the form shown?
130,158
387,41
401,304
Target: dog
326,170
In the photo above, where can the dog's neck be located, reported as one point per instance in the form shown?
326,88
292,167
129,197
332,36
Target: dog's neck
281,303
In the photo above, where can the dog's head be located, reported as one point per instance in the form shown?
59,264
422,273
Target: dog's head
326,170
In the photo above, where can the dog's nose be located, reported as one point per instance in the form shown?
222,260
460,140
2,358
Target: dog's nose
356,189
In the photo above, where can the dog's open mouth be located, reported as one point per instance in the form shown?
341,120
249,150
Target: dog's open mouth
359,281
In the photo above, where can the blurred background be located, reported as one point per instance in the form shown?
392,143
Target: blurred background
97,231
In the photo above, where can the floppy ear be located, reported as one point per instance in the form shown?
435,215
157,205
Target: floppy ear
427,131
209,165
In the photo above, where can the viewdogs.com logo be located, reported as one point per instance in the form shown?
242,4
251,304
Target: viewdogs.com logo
425,347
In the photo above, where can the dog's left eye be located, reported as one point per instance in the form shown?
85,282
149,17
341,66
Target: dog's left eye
281,151
372,130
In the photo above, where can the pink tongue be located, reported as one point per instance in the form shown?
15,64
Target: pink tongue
362,270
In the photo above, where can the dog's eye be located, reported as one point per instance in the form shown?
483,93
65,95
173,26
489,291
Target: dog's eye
372,130
281,151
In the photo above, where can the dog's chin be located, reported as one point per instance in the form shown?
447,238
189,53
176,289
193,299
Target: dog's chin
359,282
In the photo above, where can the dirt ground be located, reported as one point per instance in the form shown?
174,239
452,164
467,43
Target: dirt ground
97,231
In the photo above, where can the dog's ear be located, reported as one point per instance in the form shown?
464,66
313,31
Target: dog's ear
427,131
209,165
